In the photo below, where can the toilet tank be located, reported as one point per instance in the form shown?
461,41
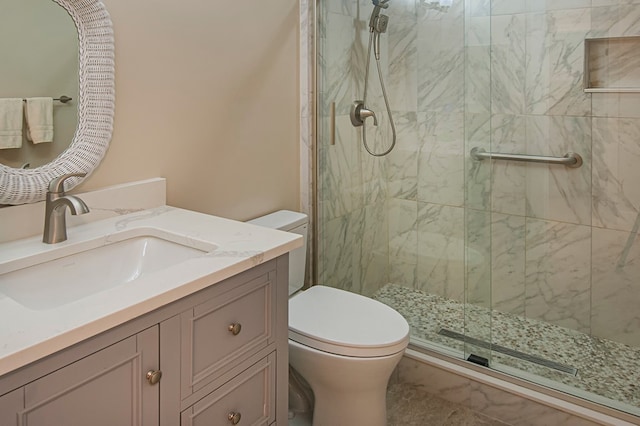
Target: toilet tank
297,223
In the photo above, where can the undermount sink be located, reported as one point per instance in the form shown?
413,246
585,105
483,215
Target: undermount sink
63,275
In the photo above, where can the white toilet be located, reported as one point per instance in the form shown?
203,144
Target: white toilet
344,345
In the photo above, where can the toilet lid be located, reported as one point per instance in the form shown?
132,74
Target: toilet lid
345,323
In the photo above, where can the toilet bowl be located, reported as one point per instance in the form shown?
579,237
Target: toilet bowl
344,345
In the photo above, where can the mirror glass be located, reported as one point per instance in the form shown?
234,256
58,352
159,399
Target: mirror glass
95,101
39,51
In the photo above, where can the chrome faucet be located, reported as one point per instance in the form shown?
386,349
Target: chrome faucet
55,223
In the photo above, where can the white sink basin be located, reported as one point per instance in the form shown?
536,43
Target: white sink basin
62,275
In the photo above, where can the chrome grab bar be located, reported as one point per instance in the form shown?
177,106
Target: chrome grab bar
571,159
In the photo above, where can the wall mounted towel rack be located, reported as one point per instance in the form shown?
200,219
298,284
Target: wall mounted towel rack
64,99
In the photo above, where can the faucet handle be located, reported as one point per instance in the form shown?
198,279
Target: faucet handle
359,113
57,184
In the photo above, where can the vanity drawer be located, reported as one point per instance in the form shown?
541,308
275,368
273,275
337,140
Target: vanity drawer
250,397
226,330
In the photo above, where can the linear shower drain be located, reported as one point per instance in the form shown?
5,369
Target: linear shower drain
507,351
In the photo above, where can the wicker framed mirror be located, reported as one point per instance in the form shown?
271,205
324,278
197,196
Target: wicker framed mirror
96,103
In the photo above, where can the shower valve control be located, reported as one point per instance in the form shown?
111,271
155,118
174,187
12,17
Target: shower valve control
359,113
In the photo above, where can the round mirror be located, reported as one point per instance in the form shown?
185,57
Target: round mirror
95,108
39,51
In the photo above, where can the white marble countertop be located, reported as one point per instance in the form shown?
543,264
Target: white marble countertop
27,334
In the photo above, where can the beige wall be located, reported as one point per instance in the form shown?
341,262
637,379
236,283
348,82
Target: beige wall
207,96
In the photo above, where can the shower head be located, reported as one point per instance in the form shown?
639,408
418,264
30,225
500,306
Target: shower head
378,23
378,5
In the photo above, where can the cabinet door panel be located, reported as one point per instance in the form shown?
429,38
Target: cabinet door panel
10,405
250,395
106,388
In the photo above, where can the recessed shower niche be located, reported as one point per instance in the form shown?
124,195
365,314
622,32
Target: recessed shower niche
612,64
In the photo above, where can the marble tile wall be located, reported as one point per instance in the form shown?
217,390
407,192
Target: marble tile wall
352,186
503,75
563,241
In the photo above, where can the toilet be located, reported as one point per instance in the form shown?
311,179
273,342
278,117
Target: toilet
344,345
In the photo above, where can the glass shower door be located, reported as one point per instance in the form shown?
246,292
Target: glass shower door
412,228
477,182
485,257
563,279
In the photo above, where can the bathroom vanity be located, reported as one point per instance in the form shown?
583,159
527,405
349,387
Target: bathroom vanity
203,341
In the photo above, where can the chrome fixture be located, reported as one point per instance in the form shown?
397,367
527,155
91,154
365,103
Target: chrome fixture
359,112
377,5
570,159
378,24
55,224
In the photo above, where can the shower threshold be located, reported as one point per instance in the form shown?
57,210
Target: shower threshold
508,351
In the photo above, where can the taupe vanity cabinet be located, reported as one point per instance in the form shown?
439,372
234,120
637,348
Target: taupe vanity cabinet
100,389
216,357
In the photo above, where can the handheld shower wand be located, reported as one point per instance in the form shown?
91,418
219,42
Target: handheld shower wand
377,25
377,6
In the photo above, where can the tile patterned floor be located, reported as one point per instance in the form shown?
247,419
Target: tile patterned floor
604,368
408,405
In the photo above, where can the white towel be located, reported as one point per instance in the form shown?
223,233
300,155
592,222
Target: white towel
39,118
10,123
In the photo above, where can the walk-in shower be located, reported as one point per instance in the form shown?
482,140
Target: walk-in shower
531,268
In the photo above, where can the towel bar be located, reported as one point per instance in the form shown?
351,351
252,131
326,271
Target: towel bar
64,99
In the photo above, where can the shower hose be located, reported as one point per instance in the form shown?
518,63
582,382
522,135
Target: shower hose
386,102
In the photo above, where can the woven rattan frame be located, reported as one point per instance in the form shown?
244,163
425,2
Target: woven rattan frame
95,109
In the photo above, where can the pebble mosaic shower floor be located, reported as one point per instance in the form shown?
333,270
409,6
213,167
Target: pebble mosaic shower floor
604,368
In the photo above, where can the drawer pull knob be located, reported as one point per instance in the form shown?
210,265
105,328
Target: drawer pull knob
235,329
153,377
234,418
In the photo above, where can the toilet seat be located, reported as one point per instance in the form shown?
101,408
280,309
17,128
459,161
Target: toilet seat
344,323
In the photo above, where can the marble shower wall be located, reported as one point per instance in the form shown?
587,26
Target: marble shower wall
352,191
564,246
504,75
